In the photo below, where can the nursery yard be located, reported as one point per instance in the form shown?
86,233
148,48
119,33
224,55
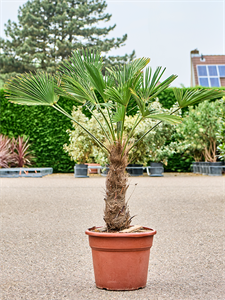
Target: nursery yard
45,253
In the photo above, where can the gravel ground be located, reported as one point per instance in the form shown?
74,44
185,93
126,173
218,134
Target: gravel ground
45,253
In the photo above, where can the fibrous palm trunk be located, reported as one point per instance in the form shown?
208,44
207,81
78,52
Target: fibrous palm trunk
117,215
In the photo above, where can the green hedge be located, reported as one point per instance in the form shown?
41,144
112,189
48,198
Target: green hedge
46,129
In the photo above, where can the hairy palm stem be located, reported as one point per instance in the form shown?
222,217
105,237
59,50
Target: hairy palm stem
117,215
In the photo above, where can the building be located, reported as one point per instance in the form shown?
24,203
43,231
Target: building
207,70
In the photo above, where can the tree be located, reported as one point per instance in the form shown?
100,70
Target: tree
48,30
81,79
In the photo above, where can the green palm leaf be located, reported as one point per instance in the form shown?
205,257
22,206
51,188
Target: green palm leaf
76,89
192,97
166,118
96,78
119,114
149,88
32,89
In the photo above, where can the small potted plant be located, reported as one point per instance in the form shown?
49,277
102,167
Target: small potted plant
120,251
80,145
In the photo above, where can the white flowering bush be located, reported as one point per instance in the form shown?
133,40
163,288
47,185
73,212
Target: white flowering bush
197,134
153,146
82,150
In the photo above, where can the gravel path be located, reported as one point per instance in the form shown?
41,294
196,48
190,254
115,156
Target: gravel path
45,253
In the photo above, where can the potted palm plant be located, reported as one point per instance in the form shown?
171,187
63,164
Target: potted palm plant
120,253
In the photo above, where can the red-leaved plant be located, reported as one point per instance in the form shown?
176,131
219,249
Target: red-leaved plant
7,156
14,152
22,155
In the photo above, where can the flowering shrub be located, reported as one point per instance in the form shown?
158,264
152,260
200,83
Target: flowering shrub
197,134
152,147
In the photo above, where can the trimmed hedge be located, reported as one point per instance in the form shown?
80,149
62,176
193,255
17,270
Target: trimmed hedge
46,129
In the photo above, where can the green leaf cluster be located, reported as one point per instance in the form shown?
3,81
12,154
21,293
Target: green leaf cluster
48,31
197,135
81,79
45,128
81,149
221,133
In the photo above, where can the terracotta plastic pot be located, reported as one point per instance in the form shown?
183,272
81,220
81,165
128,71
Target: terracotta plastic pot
93,171
120,260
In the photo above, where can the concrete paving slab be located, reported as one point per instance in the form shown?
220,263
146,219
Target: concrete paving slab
45,253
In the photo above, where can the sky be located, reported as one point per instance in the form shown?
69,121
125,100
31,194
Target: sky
165,31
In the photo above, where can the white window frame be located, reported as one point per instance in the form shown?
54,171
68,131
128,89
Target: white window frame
208,76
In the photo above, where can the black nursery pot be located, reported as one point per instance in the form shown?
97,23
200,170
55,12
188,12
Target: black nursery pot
215,168
156,169
205,167
135,169
80,171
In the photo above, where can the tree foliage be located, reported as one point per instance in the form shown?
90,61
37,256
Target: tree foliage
221,133
197,134
49,30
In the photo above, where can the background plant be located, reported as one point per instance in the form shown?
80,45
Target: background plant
48,30
47,130
7,156
81,149
221,133
80,78
23,156
15,152
197,134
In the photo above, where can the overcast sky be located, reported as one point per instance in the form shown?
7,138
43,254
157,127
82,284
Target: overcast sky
166,31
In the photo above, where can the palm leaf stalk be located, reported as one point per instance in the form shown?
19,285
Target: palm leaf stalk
80,78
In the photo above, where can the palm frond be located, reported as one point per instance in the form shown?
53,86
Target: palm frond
149,88
166,118
76,89
192,97
127,73
119,114
114,94
32,89
96,78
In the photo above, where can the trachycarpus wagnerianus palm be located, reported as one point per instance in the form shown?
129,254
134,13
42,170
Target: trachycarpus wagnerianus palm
80,78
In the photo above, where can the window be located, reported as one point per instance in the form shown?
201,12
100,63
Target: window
221,71
209,75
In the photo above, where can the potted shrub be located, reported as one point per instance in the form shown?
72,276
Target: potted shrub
197,136
120,253
221,134
151,146
80,146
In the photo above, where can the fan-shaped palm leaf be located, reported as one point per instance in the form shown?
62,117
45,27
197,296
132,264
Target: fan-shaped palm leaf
32,89
192,97
149,88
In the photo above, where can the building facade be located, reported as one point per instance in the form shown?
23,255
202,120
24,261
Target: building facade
207,70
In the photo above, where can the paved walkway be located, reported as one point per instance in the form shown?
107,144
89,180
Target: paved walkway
45,253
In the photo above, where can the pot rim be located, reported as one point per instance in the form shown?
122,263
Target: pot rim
122,235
